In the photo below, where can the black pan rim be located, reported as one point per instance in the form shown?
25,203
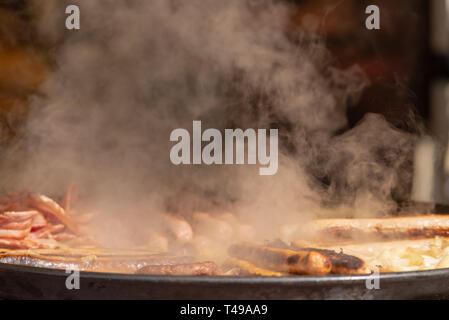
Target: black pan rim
434,276
300,279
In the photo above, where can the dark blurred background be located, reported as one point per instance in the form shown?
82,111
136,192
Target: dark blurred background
406,62
396,58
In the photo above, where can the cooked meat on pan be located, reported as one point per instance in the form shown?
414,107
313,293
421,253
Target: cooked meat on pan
283,260
37,231
248,269
193,269
404,227
393,256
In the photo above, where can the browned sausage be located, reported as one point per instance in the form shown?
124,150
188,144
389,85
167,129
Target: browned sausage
213,227
14,234
178,228
284,260
406,227
191,269
247,268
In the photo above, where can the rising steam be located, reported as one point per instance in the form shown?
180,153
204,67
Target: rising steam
139,69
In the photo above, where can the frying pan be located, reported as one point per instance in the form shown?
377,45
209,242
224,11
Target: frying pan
24,282
18,282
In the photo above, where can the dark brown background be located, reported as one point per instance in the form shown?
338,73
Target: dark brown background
396,58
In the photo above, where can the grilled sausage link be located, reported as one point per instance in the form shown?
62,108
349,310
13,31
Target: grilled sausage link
284,260
178,228
405,227
247,268
190,269
343,263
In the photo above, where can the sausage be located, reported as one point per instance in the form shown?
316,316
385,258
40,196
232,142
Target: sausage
405,227
243,231
212,227
157,243
284,260
191,269
247,268
178,228
343,263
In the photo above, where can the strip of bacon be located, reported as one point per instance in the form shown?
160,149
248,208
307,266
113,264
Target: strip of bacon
17,244
47,232
50,207
178,228
38,222
14,234
17,216
191,269
71,194
87,261
372,248
16,225
64,237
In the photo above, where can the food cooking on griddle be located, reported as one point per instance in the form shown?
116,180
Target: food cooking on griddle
37,231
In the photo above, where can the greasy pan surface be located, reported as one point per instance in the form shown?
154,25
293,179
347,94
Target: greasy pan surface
21,282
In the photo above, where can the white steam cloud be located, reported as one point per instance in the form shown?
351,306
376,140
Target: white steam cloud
139,69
